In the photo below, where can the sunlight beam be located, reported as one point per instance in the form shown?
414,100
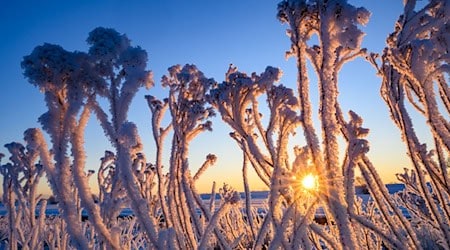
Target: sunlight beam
309,182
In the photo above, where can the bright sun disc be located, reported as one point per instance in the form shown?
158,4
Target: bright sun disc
309,182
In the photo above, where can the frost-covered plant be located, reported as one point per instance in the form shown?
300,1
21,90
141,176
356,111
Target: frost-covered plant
189,116
158,110
71,81
291,211
335,23
122,68
236,99
21,177
55,234
168,211
112,196
4,230
65,78
229,197
415,71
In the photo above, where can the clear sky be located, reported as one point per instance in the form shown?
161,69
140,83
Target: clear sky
210,34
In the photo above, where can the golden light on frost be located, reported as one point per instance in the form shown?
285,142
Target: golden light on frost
310,182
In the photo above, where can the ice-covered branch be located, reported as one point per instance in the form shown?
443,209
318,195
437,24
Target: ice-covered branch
71,80
129,145
236,101
122,69
210,160
414,62
60,75
20,195
158,109
190,116
336,25
81,182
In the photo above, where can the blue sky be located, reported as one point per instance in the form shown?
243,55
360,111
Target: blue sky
210,34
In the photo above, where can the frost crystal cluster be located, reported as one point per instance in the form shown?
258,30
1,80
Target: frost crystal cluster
268,121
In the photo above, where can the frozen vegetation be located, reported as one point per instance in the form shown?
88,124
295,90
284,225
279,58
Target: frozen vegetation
168,212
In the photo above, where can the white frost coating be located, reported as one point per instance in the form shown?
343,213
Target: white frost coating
129,146
210,160
230,197
125,68
158,109
189,117
81,182
55,72
336,25
414,62
248,197
21,177
69,80
236,101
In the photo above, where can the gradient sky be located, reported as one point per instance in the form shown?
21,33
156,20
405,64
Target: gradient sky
210,34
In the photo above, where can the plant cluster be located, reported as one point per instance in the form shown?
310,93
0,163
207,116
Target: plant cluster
168,212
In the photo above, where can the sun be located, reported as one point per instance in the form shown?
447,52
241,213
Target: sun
310,182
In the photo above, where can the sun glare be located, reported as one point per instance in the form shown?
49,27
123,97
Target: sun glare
309,182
